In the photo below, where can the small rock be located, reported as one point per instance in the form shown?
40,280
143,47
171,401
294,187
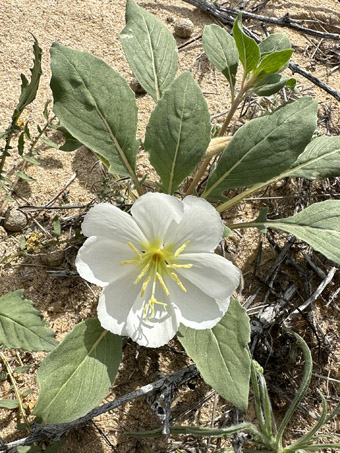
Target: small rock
184,28
54,258
137,87
15,220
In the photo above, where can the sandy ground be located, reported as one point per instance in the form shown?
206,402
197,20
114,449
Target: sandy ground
94,26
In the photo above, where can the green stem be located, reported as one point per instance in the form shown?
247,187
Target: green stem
16,390
258,407
307,374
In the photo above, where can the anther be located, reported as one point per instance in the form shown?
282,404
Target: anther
181,248
178,281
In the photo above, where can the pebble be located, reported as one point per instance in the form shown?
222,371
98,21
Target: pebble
184,28
54,258
15,220
137,87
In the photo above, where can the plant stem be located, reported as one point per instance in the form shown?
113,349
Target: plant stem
16,390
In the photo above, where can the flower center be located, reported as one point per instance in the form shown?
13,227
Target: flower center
156,262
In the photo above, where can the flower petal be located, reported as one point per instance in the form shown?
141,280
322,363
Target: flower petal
156,331
155,212
111,222
211,273
98,260
200,223
115,303
197,309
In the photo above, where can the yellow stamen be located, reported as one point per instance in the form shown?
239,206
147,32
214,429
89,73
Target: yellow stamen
181,248
161,281
137,252
141,275
151,305
178,281
129,262
145,285
179,266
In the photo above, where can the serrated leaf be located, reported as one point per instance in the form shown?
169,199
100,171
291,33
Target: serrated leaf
221,354
78,373
320,159
96,105
265,147
248,50
21,325
29,89
9,404
272,83
318,225
221,50
150,50
178,133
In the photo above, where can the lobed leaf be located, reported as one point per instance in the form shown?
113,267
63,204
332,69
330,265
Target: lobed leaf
150,50
79,371
320,159
178,133
248,50
96,106
221,50
221,354
21,325
29,89
318,225
264,147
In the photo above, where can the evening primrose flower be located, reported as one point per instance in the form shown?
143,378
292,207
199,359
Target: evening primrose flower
157,266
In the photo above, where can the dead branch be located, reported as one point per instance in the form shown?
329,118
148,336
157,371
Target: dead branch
55,431
216,11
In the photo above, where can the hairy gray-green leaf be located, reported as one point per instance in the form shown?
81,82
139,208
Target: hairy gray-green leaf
265,147
274,43
96,106
272,83
221,50
9,404
150,50
272,63
221,354
78,373
178,133
248,50
29,89
320,159
318,225
21,325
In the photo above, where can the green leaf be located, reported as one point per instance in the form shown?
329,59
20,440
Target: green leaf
21,143
29,89
70,144
49,142
178,133
150,50
22,175
21,369
9,404
320,159
265,147
274,43
318,225
21,325
96,105
221,50
221,354
248,50
272,83
31,160
78,373
272,63
56,226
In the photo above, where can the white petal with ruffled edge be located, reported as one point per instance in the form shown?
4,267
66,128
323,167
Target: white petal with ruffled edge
213,274
98,260
200,223
155,213
112,223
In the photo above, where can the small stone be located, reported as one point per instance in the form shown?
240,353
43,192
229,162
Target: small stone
184,28
137,87
53,258
15,220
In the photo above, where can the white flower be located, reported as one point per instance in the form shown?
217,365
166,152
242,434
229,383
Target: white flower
157,266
